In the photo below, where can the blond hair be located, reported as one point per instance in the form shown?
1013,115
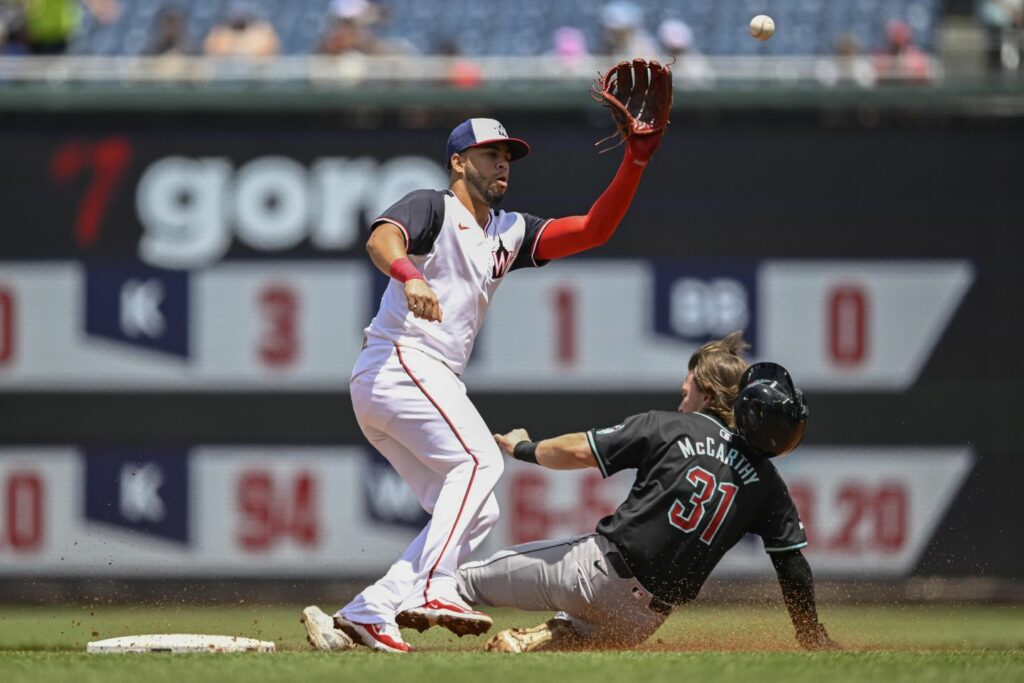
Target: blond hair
717,367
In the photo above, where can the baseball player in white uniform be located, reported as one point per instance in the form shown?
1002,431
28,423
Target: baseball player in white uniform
446,253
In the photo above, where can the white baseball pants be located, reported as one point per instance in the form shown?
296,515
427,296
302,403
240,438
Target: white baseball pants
414,410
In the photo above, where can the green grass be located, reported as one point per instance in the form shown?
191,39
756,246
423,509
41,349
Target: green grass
705,643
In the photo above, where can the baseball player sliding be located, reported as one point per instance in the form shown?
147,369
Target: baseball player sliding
446,253
704,479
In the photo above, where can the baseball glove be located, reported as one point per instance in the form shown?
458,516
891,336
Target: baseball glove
639,96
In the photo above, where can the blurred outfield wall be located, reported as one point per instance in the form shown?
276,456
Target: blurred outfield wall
183,288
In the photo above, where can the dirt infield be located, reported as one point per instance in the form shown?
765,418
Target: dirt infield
712,643
696,628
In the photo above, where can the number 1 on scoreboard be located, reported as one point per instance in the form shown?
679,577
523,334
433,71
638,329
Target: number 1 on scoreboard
6,326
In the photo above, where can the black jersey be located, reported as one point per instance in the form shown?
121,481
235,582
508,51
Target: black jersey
698,490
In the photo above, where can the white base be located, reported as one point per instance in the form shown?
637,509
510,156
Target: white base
178,643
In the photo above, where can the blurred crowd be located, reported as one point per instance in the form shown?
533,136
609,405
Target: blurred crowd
351,26
1004,21
45,27
243,29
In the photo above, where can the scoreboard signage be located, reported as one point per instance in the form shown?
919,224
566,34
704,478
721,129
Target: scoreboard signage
221,254
192,211
595,325
317,512
139,489
218,257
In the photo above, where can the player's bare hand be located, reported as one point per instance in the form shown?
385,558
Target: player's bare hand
422,301
507,442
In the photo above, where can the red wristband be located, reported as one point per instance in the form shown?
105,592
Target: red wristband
403,270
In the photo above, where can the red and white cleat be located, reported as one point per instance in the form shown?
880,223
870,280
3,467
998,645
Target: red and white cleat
380,637
458,618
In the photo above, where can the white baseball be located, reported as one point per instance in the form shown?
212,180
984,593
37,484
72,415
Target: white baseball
762,27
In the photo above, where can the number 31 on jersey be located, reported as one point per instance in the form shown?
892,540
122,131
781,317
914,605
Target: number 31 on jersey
688,516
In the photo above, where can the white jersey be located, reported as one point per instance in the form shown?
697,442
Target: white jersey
463,263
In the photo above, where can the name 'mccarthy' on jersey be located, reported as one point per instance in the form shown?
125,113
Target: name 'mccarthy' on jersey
698,490
462,261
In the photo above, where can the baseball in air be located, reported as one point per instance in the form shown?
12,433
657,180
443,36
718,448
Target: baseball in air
762,27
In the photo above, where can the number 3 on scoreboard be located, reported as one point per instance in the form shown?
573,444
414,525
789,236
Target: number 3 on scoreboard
687,517
279,345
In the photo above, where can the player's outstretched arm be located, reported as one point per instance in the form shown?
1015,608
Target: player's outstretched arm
386,247
639,96
567,236
797,583
566,452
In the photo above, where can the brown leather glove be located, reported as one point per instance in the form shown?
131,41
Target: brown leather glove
639,96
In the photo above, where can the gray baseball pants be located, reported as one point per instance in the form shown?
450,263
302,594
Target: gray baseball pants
572,576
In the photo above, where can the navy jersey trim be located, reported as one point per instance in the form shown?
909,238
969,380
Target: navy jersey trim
536,243
420,215
533,227
597,455
795,546
397,224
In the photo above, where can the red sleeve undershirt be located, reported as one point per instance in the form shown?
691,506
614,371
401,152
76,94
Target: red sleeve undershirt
570,235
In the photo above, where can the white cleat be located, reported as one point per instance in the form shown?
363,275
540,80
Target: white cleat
321,633
379,637
458,618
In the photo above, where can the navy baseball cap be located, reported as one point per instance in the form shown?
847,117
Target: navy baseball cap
476,132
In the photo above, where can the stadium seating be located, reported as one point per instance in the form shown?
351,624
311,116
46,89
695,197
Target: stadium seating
525,27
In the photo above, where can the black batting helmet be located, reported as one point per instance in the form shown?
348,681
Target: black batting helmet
770,412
